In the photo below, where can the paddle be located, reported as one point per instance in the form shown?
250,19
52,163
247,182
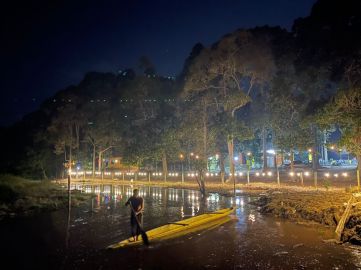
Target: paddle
142,232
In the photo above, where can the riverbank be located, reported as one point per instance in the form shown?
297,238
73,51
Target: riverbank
323,207
19,196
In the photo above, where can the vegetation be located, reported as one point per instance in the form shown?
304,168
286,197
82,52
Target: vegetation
19,196
252,87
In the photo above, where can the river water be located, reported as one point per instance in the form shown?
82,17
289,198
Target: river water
57,240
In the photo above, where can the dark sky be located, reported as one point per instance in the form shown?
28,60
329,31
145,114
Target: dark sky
48,45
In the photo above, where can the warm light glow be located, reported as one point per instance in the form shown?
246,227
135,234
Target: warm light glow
327,174
310,150
197,157
307,173
249,153
344,174
292,173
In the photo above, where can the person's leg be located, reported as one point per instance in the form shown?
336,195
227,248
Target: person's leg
140,220
133,228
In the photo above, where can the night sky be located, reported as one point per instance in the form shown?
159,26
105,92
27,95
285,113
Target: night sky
48,45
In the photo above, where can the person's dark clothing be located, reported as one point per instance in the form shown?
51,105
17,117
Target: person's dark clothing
134,228
137,204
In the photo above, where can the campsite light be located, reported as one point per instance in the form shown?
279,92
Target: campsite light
344,174
269,173
292,173
327,174
335,175
257,174
306,173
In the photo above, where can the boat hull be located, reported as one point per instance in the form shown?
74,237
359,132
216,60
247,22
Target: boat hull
180,228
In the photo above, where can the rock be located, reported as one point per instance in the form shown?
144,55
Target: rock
298,245
281,253
334,241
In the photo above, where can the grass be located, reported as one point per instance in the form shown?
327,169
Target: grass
22,196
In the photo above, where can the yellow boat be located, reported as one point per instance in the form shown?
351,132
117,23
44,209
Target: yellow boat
179,228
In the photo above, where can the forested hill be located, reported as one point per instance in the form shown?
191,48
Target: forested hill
250,85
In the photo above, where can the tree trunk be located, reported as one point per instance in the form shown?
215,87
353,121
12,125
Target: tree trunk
205,134
292,159
231,157
165,166
93,166
45,177
100,161
221,165
315,163
264,148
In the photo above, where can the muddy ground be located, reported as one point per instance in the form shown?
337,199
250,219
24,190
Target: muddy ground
324,207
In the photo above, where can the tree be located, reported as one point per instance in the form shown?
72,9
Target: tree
344,110
229,70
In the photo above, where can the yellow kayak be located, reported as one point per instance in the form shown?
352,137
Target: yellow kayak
179,228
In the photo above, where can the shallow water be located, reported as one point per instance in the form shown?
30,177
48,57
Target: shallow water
249,241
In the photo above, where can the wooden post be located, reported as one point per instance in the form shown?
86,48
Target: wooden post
248,176
315,178
358,177
342,222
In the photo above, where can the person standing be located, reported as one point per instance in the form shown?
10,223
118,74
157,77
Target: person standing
136,204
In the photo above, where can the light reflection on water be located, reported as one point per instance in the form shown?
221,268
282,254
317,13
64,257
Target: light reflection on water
251,241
